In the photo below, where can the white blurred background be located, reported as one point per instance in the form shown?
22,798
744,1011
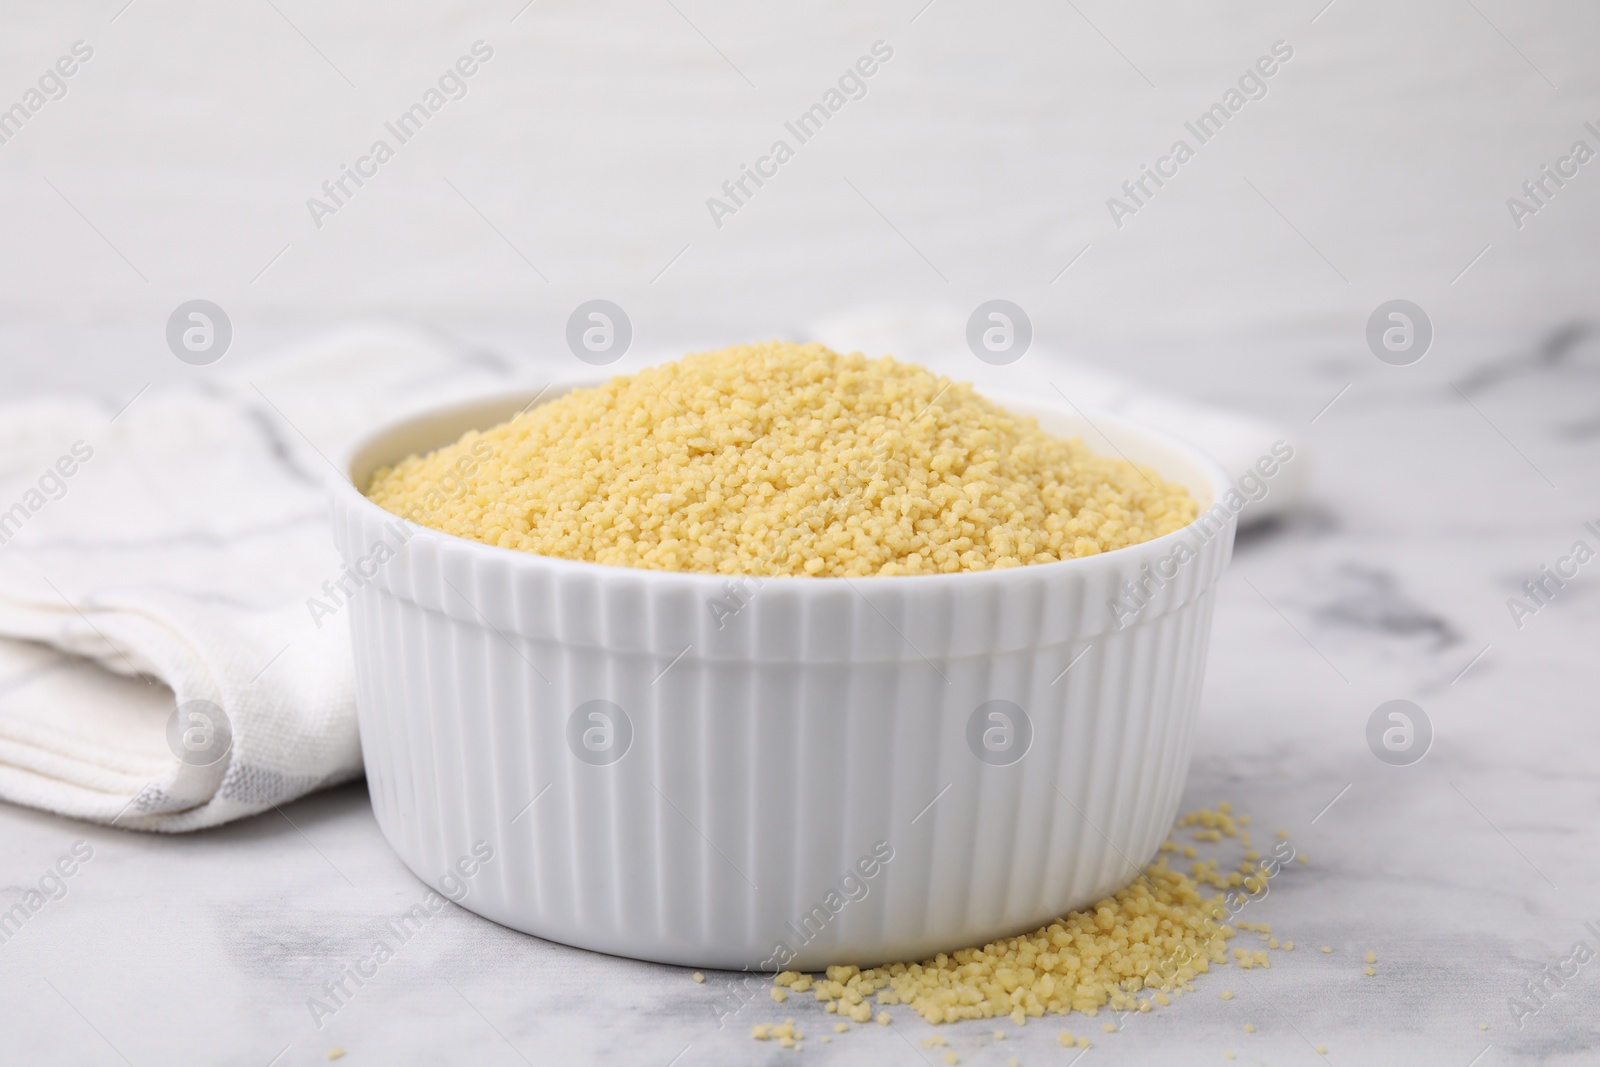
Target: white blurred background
179,163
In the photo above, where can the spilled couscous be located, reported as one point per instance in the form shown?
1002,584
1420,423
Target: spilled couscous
783,459
1130,952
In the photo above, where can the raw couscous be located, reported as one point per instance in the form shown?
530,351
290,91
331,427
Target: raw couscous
1131,951
783,459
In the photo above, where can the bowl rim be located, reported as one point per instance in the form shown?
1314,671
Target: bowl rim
342,488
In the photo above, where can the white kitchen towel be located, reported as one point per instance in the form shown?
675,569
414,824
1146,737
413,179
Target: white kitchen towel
177,547
935,335
170,655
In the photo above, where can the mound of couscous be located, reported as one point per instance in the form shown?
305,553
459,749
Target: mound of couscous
783,459
1134,951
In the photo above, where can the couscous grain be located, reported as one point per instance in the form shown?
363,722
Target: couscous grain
783,459
1153,936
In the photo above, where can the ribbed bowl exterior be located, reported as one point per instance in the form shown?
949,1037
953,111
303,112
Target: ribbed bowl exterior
789,773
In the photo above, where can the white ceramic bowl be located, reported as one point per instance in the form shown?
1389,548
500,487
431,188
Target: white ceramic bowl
804,771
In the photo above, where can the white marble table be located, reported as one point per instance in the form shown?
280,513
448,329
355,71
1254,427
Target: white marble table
1467,873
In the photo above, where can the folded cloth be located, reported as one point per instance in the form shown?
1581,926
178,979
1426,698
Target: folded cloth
1243,445
180,546
173,650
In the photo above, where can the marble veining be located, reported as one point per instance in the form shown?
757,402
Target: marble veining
1470,874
